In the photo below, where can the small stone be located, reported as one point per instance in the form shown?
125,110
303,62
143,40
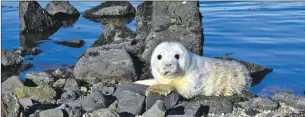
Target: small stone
114,105
60,83
71,84
40,78
157,110
290,100
104,113
83,89
169,101
25,102
9,85
262,103
68,97
130,102
51,113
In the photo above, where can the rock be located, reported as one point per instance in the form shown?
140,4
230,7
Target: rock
14,71
35,19
10,106
67,97
180,116
169,101
290,100
60,83
98,65
110,9
257,72
117,21
9,85
51,113
210,105
262,103
74,111
26,51
61,9
157,110
136,88
25,102
41,93
143,19
94,101
113,34
130,102
113,106
71,84
9,59
104,113
72,43
175,21
40,78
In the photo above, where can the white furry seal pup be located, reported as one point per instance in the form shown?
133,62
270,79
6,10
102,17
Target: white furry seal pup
174,68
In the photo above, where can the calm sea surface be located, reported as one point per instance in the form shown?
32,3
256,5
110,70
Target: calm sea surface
268,33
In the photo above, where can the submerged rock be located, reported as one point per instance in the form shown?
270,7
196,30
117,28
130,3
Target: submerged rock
35,19
9,85
101,65
26,51
62,9
9,59
110,9
41,93
72,43
10,106
157,110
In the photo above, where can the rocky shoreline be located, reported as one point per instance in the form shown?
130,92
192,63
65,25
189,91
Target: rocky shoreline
100,84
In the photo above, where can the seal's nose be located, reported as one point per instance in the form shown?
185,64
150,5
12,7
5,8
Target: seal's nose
168,65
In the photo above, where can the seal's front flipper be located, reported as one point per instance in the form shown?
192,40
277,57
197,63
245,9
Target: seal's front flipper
162,89
148,82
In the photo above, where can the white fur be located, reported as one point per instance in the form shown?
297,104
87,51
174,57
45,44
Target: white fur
196,75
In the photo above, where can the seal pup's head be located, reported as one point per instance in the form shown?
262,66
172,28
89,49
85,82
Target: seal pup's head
170,59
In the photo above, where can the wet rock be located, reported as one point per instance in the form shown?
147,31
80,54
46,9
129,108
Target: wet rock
94,101
99,65
257,72
14,71
110,9
9,59
25,102
71,84
157,110
35,19
41,93
9,85
51,113
113,34
290,100
68,97
175,21
26,51
72,43
40,78
10,106
262,103
62,8
136,88
130,102
104,113
169,101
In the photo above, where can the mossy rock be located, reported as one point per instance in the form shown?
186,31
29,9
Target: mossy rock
39,93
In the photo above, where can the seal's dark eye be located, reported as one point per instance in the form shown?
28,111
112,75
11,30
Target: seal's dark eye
177,56
159,57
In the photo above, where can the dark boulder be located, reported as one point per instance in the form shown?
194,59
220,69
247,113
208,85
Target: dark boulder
72,43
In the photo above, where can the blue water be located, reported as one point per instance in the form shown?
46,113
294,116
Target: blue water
266,33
